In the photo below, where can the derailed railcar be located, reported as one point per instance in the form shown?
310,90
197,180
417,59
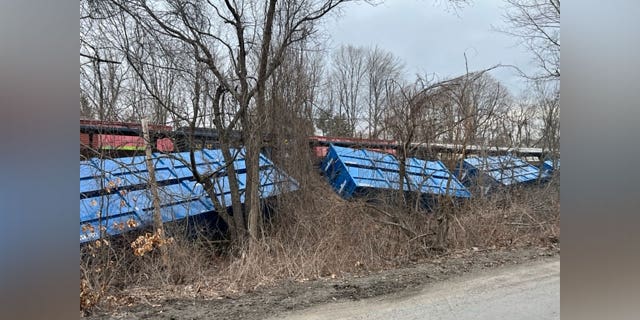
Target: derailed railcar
359,173
485,174
551,166
115,197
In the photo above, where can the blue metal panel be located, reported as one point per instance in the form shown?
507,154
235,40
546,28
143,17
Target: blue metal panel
114,197
548,166
433,177
349,170
499,170
110,212
338,173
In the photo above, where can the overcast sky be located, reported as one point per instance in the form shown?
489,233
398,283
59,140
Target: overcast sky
429,37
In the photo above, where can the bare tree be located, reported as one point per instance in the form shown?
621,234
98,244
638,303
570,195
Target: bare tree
382,66
488,101
519,124
291,97
536,23
466,107
548,102
239,45
461,108
101,75
415,113
348,81
403,119
356,90
292,93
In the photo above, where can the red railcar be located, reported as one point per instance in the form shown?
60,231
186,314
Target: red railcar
125,137
113,141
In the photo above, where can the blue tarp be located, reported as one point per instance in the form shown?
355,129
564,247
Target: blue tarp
498,170
114,195
355,170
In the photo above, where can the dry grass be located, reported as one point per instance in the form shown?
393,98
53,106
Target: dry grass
322,236
527,216
315,234
328,236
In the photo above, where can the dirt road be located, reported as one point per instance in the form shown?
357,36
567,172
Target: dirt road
529,291
464,285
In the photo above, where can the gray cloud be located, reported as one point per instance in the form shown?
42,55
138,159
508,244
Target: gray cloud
431,38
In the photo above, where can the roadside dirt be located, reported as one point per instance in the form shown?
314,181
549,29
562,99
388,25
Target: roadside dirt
526,291
289,296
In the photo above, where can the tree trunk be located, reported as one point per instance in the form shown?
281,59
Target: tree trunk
254,142
443,229
402,173
153,187
252,162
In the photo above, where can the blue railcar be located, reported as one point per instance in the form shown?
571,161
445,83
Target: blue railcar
114,195
504,171
549,166
352,172
436,178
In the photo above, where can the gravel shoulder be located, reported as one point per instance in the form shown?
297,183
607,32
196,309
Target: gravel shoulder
526,291
291,296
